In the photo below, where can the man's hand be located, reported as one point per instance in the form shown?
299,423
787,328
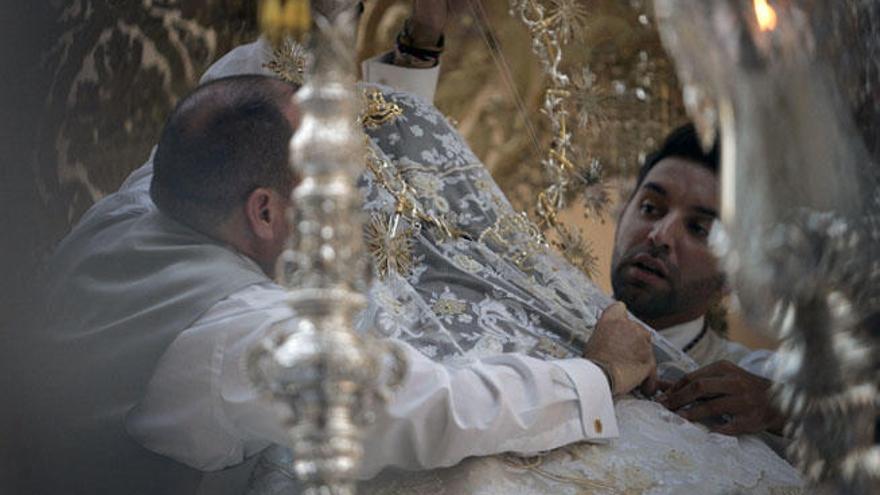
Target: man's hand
429,19
623,348
724,389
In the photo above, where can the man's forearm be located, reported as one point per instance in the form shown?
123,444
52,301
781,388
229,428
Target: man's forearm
441,414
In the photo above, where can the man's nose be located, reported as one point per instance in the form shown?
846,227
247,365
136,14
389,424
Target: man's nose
664,233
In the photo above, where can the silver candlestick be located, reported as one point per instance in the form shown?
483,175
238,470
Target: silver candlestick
326,375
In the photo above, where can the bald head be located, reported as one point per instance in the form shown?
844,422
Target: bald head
223,141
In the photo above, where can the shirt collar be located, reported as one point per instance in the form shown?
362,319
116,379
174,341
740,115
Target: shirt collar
684,333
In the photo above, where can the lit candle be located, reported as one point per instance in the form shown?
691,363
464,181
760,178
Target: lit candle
766,15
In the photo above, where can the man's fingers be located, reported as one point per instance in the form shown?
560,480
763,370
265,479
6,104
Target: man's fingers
711,370
736,426
651,384
664,385
705,388
713,408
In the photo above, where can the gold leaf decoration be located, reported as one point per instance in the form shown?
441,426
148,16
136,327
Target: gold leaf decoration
407,206
446,306
590,99
517,237
378,111
593,189
288,61
575,248
391,248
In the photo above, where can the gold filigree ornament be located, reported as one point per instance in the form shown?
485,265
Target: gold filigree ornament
407,205
447,306
390,245
518,238
288,61
568,18
552,25
378,111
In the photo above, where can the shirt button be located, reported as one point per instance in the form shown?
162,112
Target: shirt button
598,425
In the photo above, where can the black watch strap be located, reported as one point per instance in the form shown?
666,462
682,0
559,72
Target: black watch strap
405,45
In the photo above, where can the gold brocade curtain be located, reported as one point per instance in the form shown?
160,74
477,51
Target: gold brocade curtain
114,71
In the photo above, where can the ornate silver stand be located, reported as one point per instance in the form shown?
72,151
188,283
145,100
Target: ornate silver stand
326,375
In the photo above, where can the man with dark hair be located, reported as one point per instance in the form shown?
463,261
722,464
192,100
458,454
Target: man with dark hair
131,277
161,289
664,270
662,267
226,144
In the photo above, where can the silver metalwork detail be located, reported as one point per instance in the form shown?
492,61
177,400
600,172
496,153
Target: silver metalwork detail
799,204
326,375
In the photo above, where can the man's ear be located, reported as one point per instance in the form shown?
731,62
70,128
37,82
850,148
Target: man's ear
262,211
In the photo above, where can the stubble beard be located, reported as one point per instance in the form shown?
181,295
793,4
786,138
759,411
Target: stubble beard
648,303
645,303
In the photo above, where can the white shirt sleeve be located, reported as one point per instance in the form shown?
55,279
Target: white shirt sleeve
506,403
760,362
201,409
420,82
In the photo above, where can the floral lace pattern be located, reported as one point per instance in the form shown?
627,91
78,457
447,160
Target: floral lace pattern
496,289
511,292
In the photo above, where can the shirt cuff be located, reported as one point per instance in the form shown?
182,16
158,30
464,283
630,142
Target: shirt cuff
420,82
594,396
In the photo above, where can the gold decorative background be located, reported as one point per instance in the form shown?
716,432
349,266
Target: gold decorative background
89,83
116,69
632,103
93,81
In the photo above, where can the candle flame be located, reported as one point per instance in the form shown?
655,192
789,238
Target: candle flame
766,15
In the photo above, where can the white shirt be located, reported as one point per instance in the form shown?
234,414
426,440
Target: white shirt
683,334
760,362
202,410
252,57
420,82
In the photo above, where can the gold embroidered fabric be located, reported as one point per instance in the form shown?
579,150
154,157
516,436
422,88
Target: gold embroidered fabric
496,288
390,246
288,61
377,111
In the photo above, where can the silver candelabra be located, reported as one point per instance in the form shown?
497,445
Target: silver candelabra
326,375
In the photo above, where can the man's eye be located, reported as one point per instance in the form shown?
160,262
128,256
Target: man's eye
699,230
647,208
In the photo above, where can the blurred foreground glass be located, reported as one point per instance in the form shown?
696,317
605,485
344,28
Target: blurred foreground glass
791,88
